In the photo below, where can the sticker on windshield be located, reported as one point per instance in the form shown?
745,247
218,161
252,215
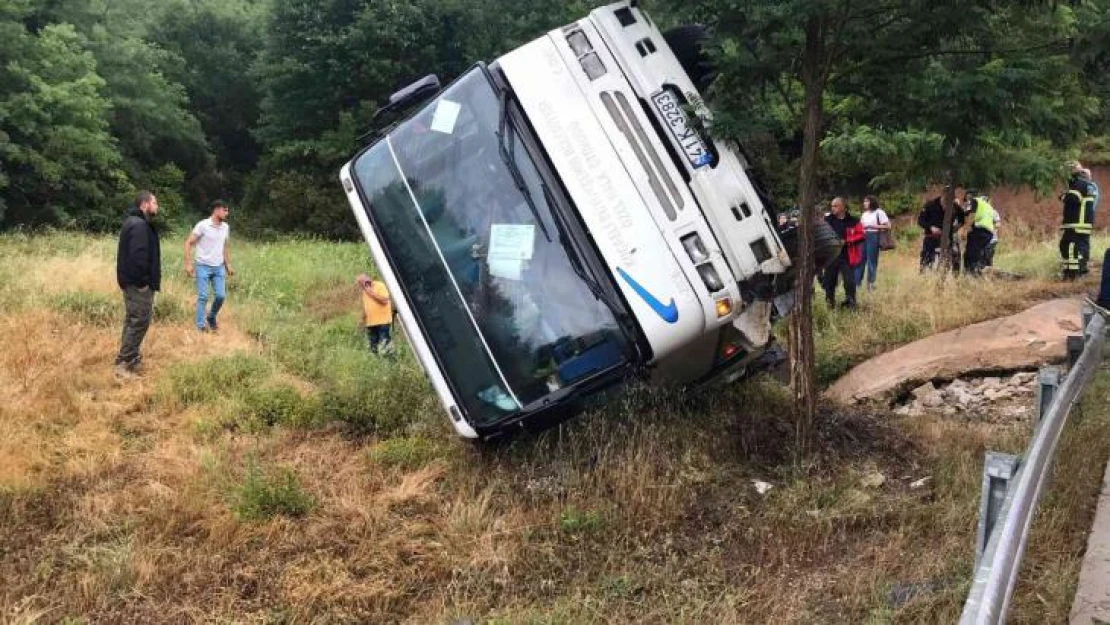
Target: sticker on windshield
447,113
510,247
512,241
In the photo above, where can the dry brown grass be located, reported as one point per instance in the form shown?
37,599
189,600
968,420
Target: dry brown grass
113,509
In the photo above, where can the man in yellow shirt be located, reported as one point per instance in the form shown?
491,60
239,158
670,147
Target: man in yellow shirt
377,314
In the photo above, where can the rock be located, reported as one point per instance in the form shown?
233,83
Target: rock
1024,341
991,382
924,390
922,482
1015,380
960,397
934,400
903,411
762,487
949,411
958,385
873,479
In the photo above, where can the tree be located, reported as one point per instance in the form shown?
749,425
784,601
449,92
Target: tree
212,46
58,163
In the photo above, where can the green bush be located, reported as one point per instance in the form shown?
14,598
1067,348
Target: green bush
830,366
207,380
264,494
377,406
409,452
170,310
575,521
90,307
279,405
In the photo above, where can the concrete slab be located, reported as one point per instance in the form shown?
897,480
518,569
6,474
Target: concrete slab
1092,596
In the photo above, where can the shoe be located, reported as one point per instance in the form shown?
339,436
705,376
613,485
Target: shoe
212,325
125,371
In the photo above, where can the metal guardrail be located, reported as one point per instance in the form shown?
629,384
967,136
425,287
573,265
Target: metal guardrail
1012,485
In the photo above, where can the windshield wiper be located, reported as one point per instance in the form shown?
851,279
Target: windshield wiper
505,133
576,259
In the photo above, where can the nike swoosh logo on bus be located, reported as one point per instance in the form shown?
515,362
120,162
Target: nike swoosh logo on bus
668,312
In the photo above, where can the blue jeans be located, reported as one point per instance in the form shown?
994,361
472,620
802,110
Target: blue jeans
378,336
206,274
870,260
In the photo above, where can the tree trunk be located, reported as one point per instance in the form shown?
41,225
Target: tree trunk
802,381
946,229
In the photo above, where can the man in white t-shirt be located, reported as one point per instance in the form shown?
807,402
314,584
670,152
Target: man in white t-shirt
211,264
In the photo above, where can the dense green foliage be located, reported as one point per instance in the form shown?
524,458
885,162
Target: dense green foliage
261,102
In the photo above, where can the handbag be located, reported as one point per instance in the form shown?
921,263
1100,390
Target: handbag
886,238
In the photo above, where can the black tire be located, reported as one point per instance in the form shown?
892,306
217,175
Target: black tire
688,44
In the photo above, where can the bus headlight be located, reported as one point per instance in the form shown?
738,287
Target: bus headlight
579,43
593,66
710,277
695,248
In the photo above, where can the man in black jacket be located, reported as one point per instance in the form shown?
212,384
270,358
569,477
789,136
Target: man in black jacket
139,274
931,220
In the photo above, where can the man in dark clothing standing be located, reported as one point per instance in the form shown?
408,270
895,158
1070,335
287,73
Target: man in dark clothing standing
840,268
1075,242
139,274
931,221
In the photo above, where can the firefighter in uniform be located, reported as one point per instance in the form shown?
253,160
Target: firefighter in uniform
981,213
1075,242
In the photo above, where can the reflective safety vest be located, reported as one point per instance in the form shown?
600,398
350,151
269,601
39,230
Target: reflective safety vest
1078,221
984,214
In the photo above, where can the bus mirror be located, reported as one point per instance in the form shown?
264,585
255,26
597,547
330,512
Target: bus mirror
411,94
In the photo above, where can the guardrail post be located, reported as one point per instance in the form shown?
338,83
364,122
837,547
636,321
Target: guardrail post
998,470
1048,380
1075,349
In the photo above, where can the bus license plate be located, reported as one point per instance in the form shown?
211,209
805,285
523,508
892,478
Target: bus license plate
692,145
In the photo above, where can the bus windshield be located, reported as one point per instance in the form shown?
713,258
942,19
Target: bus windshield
474,243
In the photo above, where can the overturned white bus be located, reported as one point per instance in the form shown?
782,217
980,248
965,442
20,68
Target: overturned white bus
552,223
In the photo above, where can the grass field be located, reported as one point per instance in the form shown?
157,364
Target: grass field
278,473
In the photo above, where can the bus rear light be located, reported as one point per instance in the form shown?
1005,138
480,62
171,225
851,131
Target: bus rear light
729,351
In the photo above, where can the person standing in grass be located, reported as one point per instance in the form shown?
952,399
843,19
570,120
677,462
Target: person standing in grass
874,220
139,274
848,229
377,314
212,264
